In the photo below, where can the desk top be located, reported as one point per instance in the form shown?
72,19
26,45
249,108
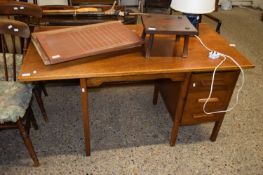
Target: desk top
163,60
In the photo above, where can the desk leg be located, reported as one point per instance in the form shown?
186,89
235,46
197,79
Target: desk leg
179,109
216,130
85,115
186,41
156,92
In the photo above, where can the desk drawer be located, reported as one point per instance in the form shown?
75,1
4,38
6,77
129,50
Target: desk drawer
202,81
196,118
196,100
193,110
198,92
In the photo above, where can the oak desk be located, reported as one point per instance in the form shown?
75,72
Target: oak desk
132,66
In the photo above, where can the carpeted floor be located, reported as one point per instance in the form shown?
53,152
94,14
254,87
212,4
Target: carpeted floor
130,136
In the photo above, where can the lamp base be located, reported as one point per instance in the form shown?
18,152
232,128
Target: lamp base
194,19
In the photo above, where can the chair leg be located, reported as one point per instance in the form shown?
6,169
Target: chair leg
40,102
216,130
27,142
155,93
43,88
27,126
32,118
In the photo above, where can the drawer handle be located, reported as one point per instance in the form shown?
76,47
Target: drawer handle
216,82
210,100
202,115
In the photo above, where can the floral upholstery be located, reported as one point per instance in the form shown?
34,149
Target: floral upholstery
9,60
14,100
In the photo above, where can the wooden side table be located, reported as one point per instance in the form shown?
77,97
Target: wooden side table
168,25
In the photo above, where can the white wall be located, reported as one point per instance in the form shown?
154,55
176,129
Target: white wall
240,2
51,2
254,3
129,2
258,3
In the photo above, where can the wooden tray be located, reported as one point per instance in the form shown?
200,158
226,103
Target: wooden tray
67,44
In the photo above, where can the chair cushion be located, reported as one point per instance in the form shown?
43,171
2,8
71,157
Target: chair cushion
14,100
9,60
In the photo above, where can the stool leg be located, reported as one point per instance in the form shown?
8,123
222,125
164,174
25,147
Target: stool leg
143,36
149,46
186,41
177,38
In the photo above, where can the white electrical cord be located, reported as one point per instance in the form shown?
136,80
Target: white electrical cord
213,79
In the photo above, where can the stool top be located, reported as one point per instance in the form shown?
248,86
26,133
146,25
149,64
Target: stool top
168,24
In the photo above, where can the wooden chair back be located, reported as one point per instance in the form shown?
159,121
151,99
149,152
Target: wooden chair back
19,32
20,8
22,11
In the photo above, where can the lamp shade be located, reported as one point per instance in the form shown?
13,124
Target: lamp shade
193,6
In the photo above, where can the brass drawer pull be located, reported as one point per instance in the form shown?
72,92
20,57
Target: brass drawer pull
216,82
211,100
202,115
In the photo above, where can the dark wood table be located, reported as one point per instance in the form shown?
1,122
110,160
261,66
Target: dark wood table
167,25
132,66
76,15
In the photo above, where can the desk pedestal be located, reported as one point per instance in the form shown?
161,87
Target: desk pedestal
186,107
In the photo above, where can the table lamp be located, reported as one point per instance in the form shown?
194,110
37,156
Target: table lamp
193,8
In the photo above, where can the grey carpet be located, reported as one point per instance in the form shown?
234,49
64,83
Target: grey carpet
130,136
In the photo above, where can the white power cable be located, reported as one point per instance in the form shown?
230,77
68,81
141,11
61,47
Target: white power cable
213,79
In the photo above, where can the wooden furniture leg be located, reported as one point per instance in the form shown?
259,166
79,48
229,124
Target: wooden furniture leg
216,5
27,142
186,41
43,88
155,93
149,46
32,118
216,130
37,94
85,115
177,38
179,109
143,36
